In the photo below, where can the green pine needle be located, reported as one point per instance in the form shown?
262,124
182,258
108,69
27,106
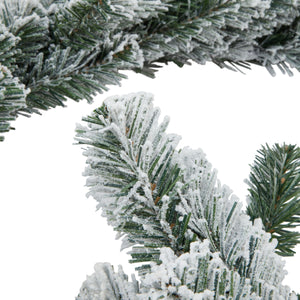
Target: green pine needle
274,187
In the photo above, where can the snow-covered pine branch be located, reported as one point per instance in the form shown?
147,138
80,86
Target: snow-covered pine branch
131,173
169,207
76,48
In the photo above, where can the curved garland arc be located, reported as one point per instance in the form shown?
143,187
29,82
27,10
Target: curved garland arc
60,49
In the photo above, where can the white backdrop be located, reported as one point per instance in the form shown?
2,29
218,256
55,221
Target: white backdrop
51,235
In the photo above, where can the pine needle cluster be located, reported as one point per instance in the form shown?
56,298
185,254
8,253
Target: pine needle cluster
274,187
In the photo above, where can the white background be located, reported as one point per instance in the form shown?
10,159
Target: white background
51,235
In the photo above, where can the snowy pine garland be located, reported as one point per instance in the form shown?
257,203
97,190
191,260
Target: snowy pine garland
188,231
61,49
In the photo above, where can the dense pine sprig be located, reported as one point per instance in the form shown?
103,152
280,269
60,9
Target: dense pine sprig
128,178
274,187
188,231
62,49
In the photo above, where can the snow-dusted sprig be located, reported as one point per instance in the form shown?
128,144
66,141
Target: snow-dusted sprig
274,187
131,173
170,209
217,218
201,274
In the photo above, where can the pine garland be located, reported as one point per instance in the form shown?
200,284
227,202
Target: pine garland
61,49
189,235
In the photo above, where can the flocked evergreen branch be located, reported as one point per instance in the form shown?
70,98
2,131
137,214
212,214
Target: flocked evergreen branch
189,232
274,187
131,159
63,49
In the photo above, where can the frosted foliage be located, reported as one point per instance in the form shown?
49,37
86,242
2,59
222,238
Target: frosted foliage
216,215
229,30
8,42
8,84
143,146
201,274
12,98
105,284
171,208
128,12
100,39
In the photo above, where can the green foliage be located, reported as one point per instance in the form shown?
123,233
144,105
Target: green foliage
274,187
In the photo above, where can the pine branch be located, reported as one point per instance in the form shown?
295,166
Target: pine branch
75,49
274,187
168,206
131,174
